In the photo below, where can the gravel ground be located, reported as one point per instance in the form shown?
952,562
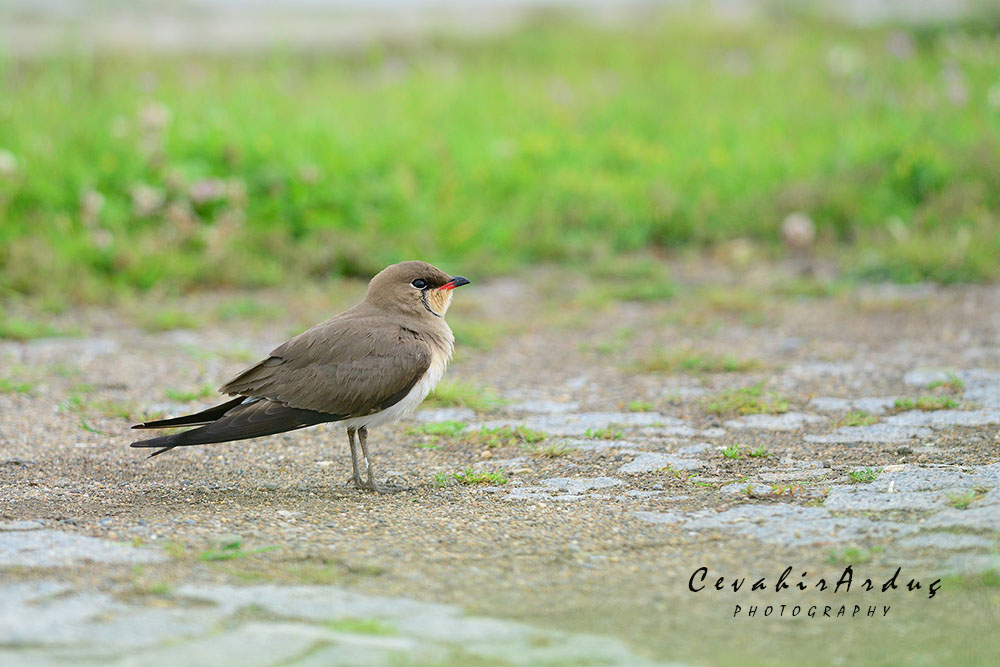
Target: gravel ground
257,552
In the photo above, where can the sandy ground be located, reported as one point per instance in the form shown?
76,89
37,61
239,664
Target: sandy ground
598,527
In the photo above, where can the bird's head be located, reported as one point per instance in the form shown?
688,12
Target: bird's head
415,288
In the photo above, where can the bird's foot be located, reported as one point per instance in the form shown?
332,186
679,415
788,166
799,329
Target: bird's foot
356,480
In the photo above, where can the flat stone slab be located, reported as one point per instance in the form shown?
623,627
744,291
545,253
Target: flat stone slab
909,488
948,541
580,484
781,523
789,421
623,446
63,625
579,423
434,415
20,525
980,386
944,418
875,433
875,405
52,548
503,464
544,407
559,489
653,462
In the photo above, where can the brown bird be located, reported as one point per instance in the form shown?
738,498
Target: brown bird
366,367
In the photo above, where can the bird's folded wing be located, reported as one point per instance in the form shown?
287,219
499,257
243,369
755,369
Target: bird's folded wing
349,368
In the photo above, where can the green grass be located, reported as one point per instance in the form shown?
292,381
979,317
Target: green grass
454,393
734,451
232,549
205,391
550,450
8,386
444,429
972,581
858,418
686,361
863,476
962,500
852,555
926,403
362,626
247,309
609,433
506,436
470,477
13,328
951,383
167,320
81,401
640,406
750,400
582,142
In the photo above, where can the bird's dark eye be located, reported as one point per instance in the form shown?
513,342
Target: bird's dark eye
419,283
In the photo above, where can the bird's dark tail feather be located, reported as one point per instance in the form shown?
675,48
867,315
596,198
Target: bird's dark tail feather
236,422
203,417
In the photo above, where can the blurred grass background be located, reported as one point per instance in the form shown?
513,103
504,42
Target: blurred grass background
564,141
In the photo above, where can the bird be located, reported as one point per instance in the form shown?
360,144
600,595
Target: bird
368,366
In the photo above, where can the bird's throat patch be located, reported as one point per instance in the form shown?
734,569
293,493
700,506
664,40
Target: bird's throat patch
437,301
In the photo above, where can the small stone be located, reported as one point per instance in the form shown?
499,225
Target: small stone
20,525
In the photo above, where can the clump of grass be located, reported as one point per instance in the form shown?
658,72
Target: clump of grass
640,406
362,626
746,401
951,383
80,403
230,549
176,550
735,451
962,500
478,335
168,319
470,477
182,396
550,450
852,555
858,418
616,344
459,394
973,581
441,479
863,476
8,386
445,429
608,433
926,403
505,436
686,361
247,309
13,328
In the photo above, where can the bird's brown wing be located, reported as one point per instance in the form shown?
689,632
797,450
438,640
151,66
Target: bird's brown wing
345,366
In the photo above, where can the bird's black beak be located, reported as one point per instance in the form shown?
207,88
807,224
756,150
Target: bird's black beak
456,281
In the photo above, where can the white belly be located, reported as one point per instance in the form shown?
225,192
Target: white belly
409,403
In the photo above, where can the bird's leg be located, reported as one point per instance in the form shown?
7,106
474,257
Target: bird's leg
356,476
370,483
